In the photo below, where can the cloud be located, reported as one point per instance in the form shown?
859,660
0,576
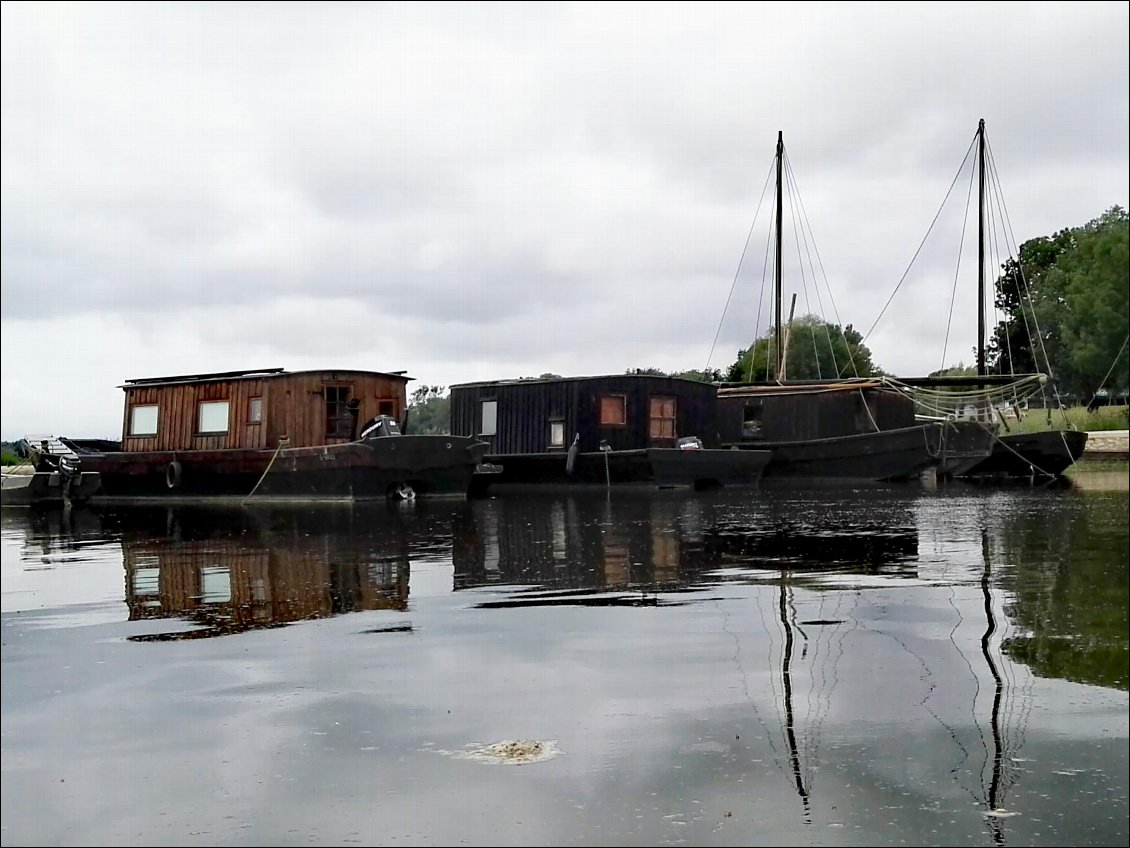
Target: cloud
501,190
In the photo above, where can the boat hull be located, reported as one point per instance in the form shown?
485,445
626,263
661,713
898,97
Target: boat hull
369,469
1031,455
964,445
884,455
657,467
46,487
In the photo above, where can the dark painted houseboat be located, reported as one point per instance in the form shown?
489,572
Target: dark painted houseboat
299,435
604,430
858,429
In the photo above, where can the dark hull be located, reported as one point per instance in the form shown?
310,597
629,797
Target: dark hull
660,467
1031,455
899,454
965,444
45,487
363,470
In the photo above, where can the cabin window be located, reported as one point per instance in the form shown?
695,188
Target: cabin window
614,409
255,411
662,418
751,421
339,421
147,586
143,420
489,418
215,584
557,434
213,417
387,407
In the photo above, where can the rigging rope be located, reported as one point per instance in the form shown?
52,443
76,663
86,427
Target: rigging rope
921,244
737,271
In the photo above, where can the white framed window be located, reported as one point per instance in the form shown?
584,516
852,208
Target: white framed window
143,420
557,434
489,418
255,411
215,584
213,416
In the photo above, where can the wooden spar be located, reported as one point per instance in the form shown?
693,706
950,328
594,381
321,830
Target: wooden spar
788,332
777,274
981,249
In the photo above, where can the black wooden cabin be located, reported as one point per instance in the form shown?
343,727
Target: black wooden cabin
788,413
625,411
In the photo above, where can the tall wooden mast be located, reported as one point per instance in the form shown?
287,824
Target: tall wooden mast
981,249
777,262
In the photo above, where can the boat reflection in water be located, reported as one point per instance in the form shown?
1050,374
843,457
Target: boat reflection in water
228,572
598,550
804,553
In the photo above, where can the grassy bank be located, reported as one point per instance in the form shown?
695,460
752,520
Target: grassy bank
1077,417
1099,466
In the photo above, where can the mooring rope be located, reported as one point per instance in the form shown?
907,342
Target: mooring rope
282,442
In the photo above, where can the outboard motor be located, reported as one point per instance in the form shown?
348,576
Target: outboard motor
70,475
382,425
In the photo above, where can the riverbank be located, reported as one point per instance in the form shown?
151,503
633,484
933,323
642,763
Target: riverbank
1105,446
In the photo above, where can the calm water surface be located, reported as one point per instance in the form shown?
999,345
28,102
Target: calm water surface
878,666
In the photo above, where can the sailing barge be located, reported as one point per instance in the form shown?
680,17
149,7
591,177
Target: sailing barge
292,435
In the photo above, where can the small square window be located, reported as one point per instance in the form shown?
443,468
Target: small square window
255,411
143,420
213,417
613,409
557,434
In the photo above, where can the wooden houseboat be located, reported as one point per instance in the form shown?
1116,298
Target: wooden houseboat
857,429
330,434
604,430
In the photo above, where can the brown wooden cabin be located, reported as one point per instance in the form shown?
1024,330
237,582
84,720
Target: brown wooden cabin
628,411
789,413
256,409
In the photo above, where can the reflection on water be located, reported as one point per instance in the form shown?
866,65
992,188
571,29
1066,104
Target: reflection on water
226,570
663,544
705,668
272,569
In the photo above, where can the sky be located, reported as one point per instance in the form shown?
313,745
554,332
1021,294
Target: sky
490,191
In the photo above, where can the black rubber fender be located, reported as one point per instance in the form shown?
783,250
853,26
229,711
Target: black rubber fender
173,474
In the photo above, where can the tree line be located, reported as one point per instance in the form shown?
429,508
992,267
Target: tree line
1064,307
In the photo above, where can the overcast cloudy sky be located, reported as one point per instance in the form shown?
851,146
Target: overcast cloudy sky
477,191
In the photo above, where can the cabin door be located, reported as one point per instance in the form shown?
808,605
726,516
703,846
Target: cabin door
661,429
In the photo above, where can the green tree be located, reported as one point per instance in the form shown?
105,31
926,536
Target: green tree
1094,322
1070,303
1010,347
816,350
701,375
429,411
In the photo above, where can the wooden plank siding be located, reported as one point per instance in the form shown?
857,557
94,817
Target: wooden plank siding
527,407
810,414
293,405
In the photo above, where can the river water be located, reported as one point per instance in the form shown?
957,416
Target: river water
784,666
